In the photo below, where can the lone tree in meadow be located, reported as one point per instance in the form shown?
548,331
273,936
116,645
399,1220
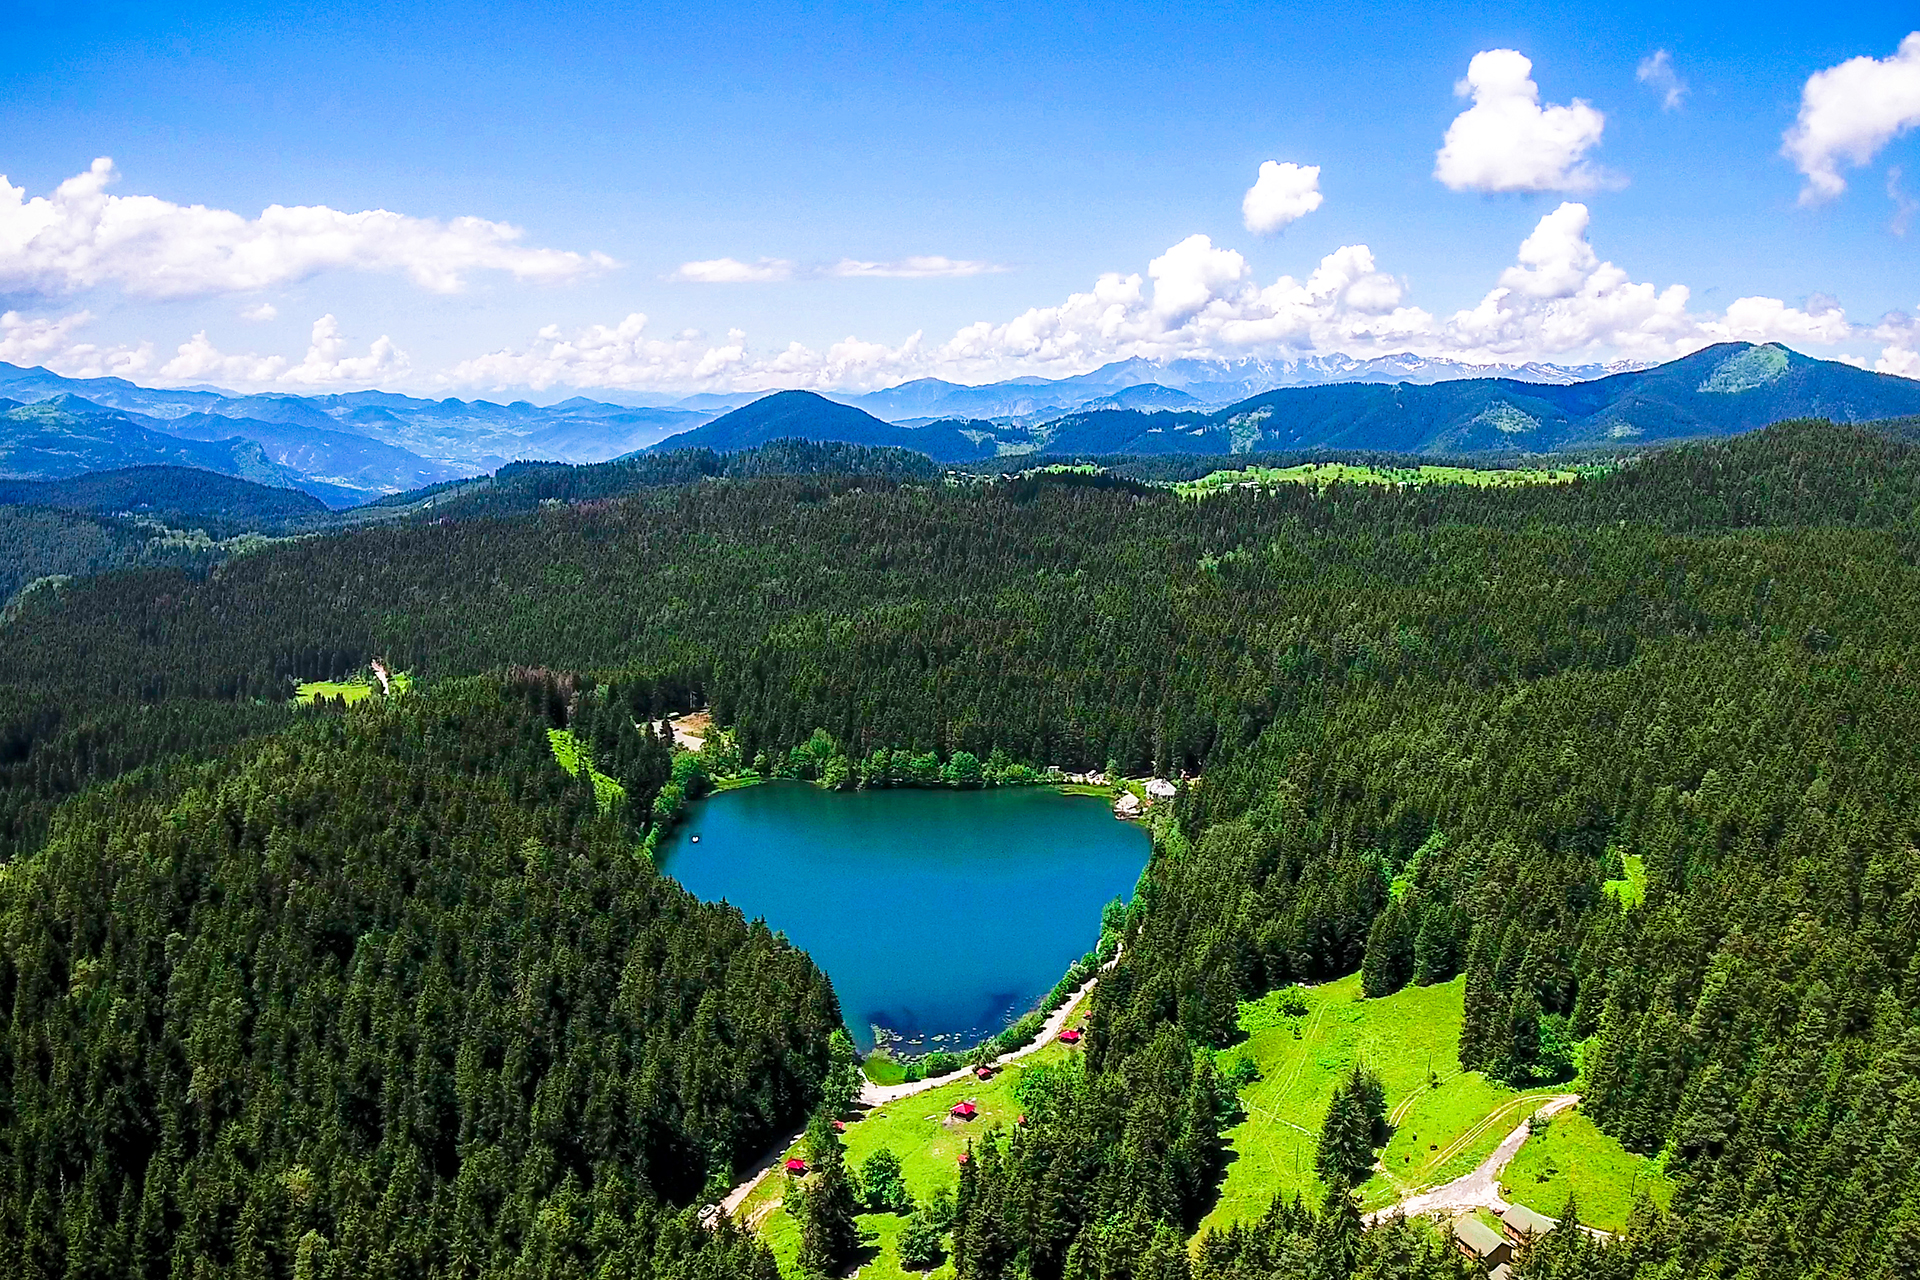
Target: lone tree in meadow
1356,1123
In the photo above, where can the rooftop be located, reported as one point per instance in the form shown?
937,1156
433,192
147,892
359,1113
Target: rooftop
1478,1236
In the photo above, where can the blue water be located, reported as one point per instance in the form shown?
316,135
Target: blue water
935,913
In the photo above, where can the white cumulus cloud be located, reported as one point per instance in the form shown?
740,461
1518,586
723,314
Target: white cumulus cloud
731,271
1657,73
1901,354
81,237
261,314
605,356
1848,112
1193,274
923,267
1506,141
326,363
1282,193
1559,299
53,342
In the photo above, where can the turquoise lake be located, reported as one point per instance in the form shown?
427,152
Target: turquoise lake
935,913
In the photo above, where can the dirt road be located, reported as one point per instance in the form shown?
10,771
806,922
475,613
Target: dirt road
1481,1188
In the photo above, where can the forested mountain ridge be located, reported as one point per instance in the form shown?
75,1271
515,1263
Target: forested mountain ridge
804,415
171,495
1431,726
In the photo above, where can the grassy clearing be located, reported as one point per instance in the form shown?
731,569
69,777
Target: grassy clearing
1302,1057
1100,789
929,1143
1632,890
1447,1132
352,690
1572,1155
572,755
1320,474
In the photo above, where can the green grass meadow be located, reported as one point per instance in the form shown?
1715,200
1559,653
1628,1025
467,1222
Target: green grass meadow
352,690
1320,474
1439,1133
929,1143
1572,1155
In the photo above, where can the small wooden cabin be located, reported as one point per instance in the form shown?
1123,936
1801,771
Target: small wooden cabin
1481,1242
1521,1223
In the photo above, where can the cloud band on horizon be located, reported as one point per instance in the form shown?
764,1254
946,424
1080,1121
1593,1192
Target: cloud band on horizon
81,237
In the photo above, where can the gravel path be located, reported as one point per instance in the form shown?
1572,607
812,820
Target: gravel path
1481,1188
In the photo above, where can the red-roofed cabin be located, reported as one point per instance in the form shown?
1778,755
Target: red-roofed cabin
965,1156
985,1073
1070,1037
839,1126
964,1110
797,1166
1020,1122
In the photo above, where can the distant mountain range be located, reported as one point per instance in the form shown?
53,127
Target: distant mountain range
1721,390
352,448
344,449
1183,383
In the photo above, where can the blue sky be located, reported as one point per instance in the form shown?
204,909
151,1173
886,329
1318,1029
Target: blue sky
989,162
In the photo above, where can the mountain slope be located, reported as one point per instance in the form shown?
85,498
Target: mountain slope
804,415
324,454
171,495
603,437
66,436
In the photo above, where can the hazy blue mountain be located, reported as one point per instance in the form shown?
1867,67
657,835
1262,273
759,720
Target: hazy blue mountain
65,436
1148,395
1395,402
1203,382
719,402
174,496
31,385
472,435
604,436
804,415
324,453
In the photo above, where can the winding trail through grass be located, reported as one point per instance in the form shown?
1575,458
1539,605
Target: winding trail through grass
1479,1189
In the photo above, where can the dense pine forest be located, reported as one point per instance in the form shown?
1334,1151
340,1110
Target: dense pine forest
380,991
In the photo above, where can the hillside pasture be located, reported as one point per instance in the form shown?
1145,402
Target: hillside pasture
1321,474
1439,1131
929,1141
573,755
352,690
1571,1155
